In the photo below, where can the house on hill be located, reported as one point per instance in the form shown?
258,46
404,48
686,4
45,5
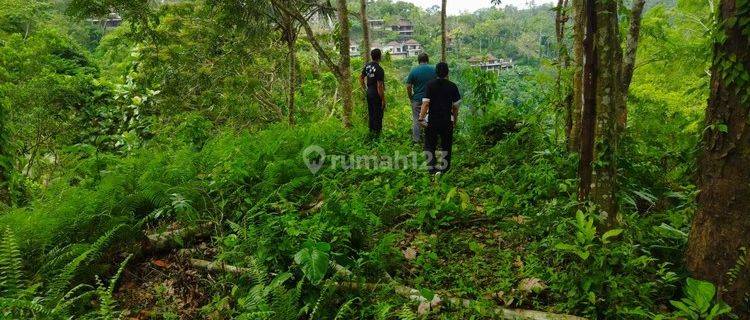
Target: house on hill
490,63
404,28
112,20
403,49
354,49
376,24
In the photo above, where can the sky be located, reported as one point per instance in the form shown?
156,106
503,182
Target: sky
458,6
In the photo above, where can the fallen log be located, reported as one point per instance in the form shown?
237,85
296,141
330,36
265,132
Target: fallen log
402,290
174,238
437,301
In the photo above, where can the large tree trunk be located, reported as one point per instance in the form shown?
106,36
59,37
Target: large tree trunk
609,104
587,91
443,54
345,81
365,30
579,24
721,224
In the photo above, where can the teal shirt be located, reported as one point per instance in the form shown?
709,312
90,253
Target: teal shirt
418,78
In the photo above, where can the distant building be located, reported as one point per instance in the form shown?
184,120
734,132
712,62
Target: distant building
490,63
402,49
376,24
354,49
110,21
404,28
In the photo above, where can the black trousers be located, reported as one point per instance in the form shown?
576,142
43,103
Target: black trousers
442,133
375,112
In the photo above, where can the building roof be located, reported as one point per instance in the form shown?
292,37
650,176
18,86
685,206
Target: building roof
482,58
393,44
411,41
403,23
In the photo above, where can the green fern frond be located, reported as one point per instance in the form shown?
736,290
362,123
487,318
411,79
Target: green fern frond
61,282
80,292
61,256
345,309
406,313
21,306
11,275
257,315
382,311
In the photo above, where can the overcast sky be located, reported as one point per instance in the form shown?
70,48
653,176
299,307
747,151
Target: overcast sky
458,6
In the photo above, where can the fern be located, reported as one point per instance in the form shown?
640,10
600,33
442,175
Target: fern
382,310
62,281
406,313
108,306
741,265
11,282
345,309
11,306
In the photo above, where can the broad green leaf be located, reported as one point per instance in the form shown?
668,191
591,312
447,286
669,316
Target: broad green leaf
314,262
427,294
610,234
701,293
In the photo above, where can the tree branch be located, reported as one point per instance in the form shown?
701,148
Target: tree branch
631,48
296,15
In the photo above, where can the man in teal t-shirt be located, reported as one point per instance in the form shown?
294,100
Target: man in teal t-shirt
415,86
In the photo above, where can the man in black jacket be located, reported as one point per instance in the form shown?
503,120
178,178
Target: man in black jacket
439,114
375,88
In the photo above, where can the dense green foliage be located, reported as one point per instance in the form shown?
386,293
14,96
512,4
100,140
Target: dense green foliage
175,119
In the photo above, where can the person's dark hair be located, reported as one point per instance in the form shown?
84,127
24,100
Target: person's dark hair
441,69
423,58
376,54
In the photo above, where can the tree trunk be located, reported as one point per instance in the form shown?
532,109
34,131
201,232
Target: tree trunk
365,30
443,55
609,104
290,37
564,94
628,65
345,81
587,91
721,223
292,80
579,24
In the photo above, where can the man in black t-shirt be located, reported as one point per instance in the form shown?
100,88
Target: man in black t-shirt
439,113
374,85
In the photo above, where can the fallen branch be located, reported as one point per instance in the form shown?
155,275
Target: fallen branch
218,266
170,239
404,291
415,295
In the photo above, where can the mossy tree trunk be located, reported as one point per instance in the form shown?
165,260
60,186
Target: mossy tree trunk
601,103
609,105
721,224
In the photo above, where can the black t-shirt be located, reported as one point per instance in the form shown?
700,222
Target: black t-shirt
442,94
374,73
